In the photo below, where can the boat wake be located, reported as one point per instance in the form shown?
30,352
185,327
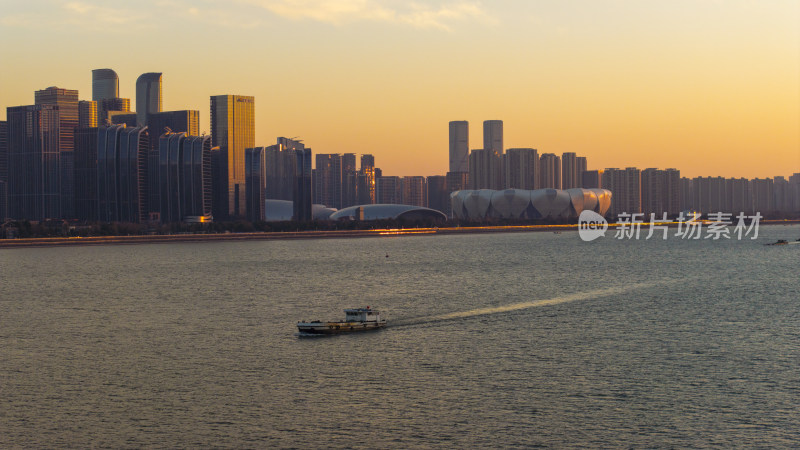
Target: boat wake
578,296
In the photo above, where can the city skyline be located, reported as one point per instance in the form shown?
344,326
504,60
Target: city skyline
707,87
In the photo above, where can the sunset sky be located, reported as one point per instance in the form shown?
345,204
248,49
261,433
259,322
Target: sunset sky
708,87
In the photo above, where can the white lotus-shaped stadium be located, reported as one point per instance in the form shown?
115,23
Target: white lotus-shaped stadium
524,204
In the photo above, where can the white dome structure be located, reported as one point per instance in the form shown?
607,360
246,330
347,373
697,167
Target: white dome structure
524,204
283,210
387,211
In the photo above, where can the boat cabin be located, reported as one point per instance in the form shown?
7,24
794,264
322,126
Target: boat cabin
362,315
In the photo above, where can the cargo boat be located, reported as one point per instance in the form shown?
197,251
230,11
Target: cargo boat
357,319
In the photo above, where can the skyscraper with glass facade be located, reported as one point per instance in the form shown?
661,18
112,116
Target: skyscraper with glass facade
3,169
459,146
493,135
232,130
34,162
67,102
255,180
105,84
148,96
302,185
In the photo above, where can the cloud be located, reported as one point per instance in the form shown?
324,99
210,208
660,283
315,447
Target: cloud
338,12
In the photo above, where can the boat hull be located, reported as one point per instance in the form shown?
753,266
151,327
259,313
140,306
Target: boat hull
338,327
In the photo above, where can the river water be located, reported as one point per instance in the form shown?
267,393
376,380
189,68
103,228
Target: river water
495,340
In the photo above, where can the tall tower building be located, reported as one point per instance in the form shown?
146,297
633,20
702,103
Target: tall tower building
459,146
328,180
485,169
122,173
301,206
569,170
3,170
415,191
148,96
522,168
233,130
625,186
105,84
255,179
493,135
107,108
34,162
66,100
86,173
591,179
549,171
280,163
438,197
87,114
389,190
581,167
366,181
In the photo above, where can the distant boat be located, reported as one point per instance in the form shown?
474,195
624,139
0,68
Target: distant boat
357,319
783,242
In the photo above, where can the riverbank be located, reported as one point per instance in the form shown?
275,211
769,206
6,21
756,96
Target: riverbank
327,234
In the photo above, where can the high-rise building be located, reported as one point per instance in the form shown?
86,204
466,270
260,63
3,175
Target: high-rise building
105,84
591,179
794,192
389,190
365,188
485,169
625,186
415,191
349,180
710,194
148,96
67,102
280,168
86,173
686,195
301,202
569,170
184,121
3,170
87,114
197,200
328,180
522,168
119,118
493,136
549,171
672,191
256,183
107,108
459,146
184,178
34,162
233,130
572,168
122,173
652,192
741,199
763,195
438,197
580,164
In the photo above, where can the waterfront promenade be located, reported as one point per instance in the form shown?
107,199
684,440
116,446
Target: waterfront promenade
311,234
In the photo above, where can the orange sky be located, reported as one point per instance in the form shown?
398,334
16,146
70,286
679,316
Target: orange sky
708,87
